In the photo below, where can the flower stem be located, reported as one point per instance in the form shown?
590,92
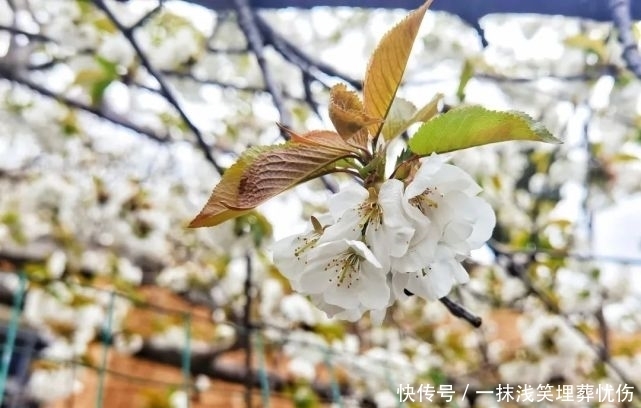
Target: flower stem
460,312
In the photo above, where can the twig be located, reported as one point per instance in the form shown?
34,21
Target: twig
227,85
247,333
294,55
248,23
623,22
460,312
519,268
31,36
164,88
143,20
118,120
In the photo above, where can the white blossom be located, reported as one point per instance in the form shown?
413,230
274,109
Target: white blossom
377,244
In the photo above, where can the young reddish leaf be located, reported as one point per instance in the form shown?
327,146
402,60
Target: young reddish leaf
263,172
323,138
346,111
387,65
471,126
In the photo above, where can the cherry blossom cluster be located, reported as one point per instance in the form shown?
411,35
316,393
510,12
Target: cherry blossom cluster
379,244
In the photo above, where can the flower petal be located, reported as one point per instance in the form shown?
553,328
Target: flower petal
342,296
373,291
348,198
361,249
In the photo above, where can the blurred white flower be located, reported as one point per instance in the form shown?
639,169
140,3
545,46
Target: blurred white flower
128,343
202,383
179,399
116,48
296,309
51,385
301,368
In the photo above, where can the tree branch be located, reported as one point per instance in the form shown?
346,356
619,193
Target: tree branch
297,57
460,312
248,23
31,36
164,88
623,22
110,117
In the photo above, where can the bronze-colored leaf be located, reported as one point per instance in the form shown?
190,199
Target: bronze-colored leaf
387,66
346,111
263,172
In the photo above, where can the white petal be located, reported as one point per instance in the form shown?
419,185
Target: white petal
351,315
361,249
452,178
373,291
318,272
399,284
348,198
390,198
285,257
420,253
330,310
458,272
389,241
347,227
377,316
314,281
484,225
434,285
441,281
342,296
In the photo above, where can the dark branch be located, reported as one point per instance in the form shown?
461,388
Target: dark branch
623,22
460,312
31,36
297,57
115,119
248,23
247,334
518,268
164,88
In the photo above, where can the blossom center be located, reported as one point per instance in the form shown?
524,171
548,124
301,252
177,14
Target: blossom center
425,201
344,269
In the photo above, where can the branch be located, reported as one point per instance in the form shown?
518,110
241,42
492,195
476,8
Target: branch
623,22
519,269
248,23
460,312
31,36
247,333
297,57
110,117
164,89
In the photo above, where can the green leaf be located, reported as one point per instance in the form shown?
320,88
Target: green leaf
403,114
97,79
398,117
467,73
594,45
470,126
387,66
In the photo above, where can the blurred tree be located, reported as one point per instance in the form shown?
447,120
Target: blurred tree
117,119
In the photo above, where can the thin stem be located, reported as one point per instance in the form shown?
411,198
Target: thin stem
164,88
460,312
